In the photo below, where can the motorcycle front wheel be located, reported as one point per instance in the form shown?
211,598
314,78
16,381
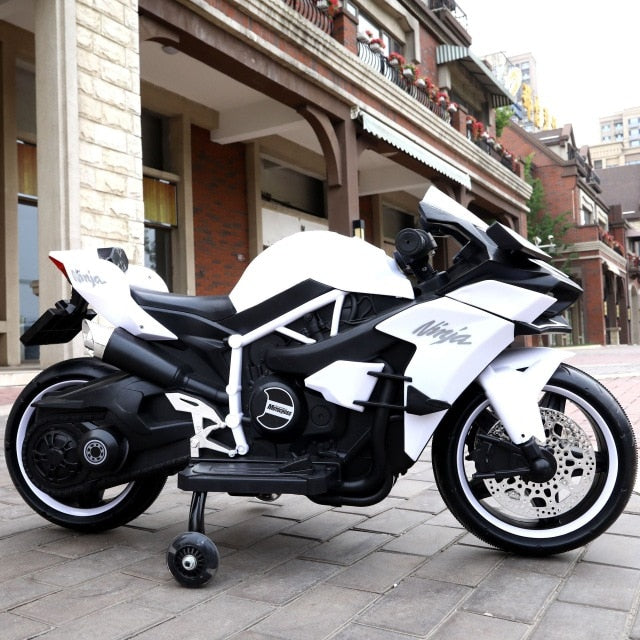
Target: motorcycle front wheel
594,447
91,512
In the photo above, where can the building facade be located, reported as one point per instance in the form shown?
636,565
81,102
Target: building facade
619,140
194,133
593,247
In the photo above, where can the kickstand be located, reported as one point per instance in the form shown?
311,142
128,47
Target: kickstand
196,512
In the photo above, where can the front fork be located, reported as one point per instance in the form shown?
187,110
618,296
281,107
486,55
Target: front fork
513,383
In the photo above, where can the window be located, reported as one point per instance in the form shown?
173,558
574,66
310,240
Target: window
160,196
367,23
633,121
292,189
606,128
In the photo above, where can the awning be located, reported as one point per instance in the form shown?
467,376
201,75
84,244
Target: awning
412,147
614,268
500,96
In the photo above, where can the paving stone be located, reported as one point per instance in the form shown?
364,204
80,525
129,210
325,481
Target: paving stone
445,519
237,513
22,590
84,599
324,525
374,509
377,572
512,594
18,628
26,562
621,551
88,567
429,501
601,586
220,617
37,537
461,565
565,620
635,631
408,488
249,532
282,584
298,508
627,524
424,540
348,547
113,623
558,565
273,550
355,631
415,606
463,625
394,521
316,614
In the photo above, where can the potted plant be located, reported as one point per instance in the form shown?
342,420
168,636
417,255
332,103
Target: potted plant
409,70
396,60
442,98
330,7
376,45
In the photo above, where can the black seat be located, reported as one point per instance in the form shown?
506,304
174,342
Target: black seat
209,307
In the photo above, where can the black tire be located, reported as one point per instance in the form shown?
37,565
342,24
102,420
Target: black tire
193,559
594,446
90,513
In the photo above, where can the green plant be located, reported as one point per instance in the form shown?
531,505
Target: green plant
541,224
503,115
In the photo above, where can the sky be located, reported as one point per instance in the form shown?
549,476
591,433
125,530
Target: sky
586,53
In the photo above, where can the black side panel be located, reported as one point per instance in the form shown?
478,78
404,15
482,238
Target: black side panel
136,407
361,344
273,307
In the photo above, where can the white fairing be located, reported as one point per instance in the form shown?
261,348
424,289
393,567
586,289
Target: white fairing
343,381
106,288
454,342
505,300
347,264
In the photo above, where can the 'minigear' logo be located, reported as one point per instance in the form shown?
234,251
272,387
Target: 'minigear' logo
278,409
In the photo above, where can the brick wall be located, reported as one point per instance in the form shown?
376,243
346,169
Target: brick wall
219,213
110,147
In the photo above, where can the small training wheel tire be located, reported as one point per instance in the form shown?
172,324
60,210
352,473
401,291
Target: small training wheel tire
193,559
268,497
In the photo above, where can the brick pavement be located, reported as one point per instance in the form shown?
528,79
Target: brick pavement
296,570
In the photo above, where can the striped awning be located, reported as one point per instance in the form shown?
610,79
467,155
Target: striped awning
412,147
500,96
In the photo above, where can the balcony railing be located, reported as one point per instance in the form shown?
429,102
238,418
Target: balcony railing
379,62
309,10
451,6
633,264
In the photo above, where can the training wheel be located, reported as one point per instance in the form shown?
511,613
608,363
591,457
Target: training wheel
268,497
192,559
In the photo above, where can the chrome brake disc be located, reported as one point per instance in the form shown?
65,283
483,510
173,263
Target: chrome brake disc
576,460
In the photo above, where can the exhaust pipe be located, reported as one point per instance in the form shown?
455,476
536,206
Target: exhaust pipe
137,357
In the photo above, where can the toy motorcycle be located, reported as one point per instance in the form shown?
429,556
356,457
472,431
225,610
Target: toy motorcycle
325,372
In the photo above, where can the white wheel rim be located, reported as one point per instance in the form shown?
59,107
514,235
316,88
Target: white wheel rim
41,495
570,527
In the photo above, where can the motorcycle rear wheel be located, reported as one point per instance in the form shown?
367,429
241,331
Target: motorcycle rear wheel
595,451
93,512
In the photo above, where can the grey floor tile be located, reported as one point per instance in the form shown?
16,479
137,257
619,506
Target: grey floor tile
601,586
416,606
565,620
424,540
316,614
512,594
461,564
463,625
377,572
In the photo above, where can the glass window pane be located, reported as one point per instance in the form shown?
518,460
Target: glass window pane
28,271
157,251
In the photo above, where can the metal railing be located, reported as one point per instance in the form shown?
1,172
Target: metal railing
378,61
309,10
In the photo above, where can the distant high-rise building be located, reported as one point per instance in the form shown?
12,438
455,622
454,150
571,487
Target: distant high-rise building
619,139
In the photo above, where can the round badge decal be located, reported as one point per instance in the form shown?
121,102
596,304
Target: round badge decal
278,409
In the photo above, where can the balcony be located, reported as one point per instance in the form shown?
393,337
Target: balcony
309,10
394,73
633,265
